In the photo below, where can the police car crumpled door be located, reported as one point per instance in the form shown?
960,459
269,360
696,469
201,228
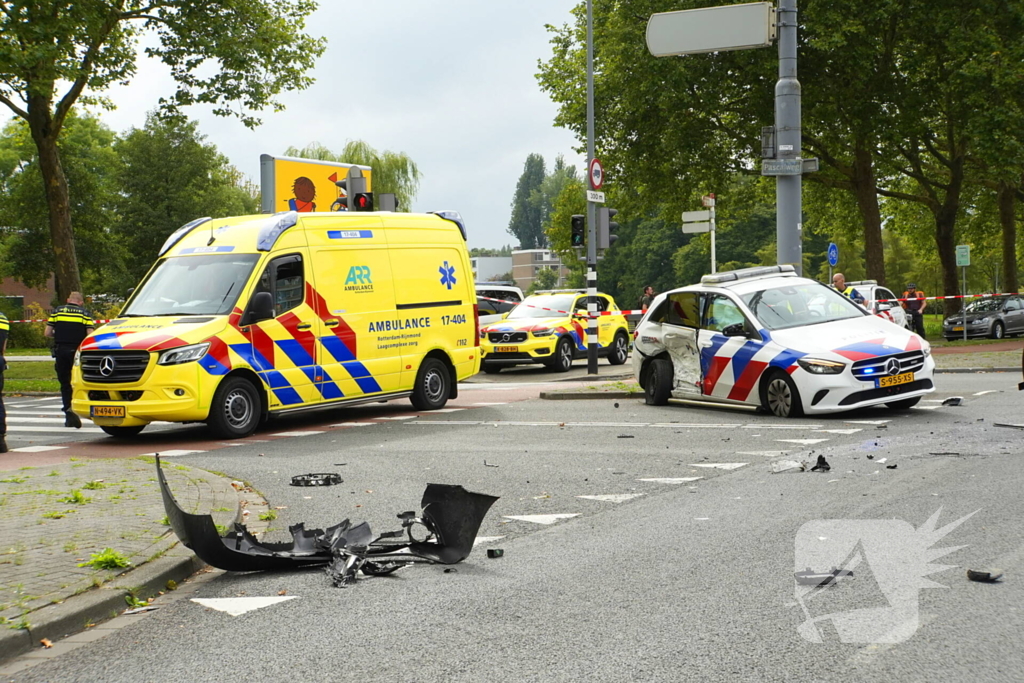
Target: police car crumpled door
679,335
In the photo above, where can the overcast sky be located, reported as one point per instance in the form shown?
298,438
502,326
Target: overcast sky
450,83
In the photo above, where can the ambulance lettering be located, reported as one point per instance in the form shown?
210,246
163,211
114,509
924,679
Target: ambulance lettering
397,325
359,279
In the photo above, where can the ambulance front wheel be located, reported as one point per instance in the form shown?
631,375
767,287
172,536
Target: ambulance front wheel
433,386
235,411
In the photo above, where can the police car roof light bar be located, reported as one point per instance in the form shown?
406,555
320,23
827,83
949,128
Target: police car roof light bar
746,273
273,228
456,218
178,234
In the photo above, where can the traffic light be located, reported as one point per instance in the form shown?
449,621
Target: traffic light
362,201
579,231
606,227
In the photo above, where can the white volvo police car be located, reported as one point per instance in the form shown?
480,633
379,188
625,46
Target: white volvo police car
766,337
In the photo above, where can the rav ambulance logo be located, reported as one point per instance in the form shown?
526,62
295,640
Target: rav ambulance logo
888,561
358,275
447,275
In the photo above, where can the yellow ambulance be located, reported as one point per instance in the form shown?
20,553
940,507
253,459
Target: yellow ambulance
244,318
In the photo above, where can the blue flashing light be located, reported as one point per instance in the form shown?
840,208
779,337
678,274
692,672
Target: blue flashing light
454,217
273,228
869,371
178,234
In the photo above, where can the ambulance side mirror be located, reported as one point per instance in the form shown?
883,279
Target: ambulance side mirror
260,308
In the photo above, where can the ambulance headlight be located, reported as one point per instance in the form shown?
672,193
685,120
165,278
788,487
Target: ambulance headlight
542,331
78,358
819,366
183,354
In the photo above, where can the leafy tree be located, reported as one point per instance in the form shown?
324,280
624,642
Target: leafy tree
393,172
236,55
167,177
90,163
527,222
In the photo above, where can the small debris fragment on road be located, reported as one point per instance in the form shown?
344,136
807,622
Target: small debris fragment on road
813,578
616,405
450,570
944,453
46,643
495,552
870,457
140,610
788,466
487,464
282,592
822,465
1009,425
954,401
625,436
985,575
891,467
317,479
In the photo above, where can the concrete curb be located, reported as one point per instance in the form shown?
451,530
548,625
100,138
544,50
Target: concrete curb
71,616
588,395
970,370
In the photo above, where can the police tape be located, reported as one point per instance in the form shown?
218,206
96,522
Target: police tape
555,310
952,296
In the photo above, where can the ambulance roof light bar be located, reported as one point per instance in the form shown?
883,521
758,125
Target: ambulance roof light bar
178,234
454,217
273,228
746,273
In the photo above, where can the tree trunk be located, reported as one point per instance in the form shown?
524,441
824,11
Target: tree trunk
945,233
867,202
1006,197
62,237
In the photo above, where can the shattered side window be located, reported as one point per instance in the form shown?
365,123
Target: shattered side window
683,309
721,313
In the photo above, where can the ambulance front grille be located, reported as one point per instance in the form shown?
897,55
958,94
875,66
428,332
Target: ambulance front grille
506,337
110,367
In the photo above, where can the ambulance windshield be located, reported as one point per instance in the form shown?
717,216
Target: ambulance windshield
206,284
543,306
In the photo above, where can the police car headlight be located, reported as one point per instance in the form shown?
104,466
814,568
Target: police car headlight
183,354
542,331
819,366
926,350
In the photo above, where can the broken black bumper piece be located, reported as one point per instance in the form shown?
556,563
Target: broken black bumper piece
450,516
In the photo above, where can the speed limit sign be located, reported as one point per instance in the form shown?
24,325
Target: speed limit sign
596,174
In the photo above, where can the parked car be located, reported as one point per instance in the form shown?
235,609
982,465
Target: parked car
882,302
990,316
493,300
768,338
551,328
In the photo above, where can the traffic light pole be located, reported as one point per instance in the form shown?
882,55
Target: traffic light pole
591,206
789,222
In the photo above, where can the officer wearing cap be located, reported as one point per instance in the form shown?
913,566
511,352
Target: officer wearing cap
5,327
914,303
68,326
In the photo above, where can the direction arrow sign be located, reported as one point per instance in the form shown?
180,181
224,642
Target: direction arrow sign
711,29
596,174
690,216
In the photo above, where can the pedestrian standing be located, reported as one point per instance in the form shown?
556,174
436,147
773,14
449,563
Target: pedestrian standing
914,303
5,327
646,298
68,326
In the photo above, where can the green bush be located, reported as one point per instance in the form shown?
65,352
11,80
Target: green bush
25,335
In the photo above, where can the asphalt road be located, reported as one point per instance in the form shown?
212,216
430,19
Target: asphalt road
680,580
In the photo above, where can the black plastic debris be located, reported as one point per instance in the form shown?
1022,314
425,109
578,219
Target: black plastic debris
985,575
319,479
870,457
1009,425
813,578
449,520
891,467
822,465
495,552
626,436
954,401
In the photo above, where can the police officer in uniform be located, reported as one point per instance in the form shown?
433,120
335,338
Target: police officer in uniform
839,282
68,326
4,329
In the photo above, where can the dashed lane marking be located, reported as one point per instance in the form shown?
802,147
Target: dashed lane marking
720,465
296,433
927,407
802,442
480,540
173,453
40,420
447,410
838,431
767,426
37,449
989,391
397,417
671,480
50,430
503,403
543,519
613,497
767,454
354,424
866,422
239,606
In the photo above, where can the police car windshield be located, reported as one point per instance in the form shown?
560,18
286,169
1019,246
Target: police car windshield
206,284
534,307
799,304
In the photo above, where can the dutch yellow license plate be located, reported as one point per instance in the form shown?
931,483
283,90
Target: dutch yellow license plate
895,380
106,411
958,329
506,349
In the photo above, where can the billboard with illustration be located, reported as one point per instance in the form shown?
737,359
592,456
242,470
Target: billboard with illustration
303,185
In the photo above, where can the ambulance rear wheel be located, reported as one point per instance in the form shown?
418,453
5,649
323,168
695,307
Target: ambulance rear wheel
433,386
235,411
123,432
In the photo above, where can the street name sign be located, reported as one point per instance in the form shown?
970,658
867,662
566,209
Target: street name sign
711,29
781,166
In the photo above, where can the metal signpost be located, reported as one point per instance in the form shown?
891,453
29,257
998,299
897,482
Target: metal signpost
833,259
703,221
592,165
963,259
740,27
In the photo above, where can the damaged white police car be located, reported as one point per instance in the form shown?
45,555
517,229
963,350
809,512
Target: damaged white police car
789,345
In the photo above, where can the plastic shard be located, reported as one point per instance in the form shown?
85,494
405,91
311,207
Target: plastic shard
450,515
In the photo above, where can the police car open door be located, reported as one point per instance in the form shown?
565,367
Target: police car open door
680,324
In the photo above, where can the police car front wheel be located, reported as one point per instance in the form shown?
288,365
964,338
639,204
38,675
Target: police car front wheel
433,385
235,412
780,396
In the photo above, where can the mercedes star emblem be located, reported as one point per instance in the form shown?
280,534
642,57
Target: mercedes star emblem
107,366
893,366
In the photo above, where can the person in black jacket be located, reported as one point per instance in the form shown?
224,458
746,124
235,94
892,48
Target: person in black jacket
68,326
